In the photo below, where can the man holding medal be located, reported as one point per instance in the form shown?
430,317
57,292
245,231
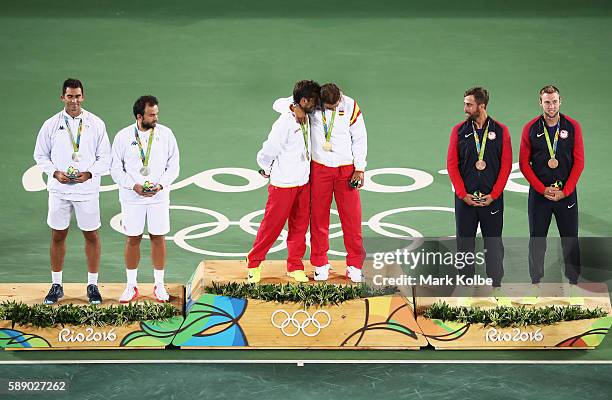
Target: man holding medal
285,159
73,149
479,162
339,150
145,162
552,159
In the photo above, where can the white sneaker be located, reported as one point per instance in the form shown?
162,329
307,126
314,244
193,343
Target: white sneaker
354,274
129,294
160,293
322,273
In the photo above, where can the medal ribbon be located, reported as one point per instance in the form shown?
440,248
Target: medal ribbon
328,129
480,149
305,135
145,159
75,143
552,149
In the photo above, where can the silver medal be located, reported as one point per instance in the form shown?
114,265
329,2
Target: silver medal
145,171
76,157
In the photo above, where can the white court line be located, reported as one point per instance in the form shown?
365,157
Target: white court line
303,362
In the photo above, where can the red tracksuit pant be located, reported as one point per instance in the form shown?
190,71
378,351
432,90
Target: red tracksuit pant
283,204
326,182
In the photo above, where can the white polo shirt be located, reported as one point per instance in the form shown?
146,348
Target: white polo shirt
285,155
126,163
349,138
53,152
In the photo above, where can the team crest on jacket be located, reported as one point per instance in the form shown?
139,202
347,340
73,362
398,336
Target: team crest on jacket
563,134
341,112
492,135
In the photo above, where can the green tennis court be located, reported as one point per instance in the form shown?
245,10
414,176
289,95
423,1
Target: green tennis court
216,68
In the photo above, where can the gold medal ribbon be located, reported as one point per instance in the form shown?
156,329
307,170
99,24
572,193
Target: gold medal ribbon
552,148
328,129
75,143
304,129
143,157
480,149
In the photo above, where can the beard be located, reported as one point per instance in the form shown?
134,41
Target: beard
148,125
553,115
472,117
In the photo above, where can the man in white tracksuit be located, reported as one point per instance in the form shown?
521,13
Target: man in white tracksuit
339,150
73,149
145,162
285,159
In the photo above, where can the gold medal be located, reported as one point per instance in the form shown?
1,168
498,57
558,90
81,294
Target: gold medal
553,163
327,146
481,165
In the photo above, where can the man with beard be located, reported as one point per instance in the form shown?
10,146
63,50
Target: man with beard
479,162
339,150
285,159
73,149
144,165
552,159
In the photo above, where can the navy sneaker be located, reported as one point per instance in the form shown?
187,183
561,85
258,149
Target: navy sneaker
93,294
55,294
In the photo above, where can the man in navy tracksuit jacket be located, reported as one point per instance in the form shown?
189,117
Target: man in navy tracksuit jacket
552,159
479,162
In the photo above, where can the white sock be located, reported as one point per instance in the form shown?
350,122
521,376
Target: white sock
56,277
131,276
158,274
92,278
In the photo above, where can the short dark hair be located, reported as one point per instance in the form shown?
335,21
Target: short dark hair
307,89
330,93
481,95
72,83
142,102
549,89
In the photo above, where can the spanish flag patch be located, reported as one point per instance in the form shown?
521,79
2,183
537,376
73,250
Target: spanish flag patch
356,113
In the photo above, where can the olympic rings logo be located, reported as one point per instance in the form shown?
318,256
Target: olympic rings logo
291,326
375,223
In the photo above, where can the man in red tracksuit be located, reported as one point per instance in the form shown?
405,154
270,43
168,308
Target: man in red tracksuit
552,159
479,162
285,159
339,150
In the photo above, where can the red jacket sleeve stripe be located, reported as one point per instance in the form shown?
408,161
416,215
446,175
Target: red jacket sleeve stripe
525,156
578,166
506,164
452,163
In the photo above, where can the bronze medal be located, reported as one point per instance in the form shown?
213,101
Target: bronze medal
553,163
481,165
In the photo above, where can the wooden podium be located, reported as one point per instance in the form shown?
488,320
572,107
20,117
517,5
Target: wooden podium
578,334
143,334
208,317
381,322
